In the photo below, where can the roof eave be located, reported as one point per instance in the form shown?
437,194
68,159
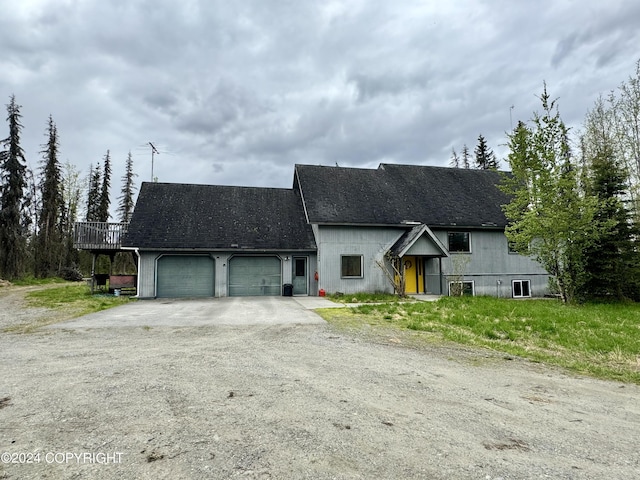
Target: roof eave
226,249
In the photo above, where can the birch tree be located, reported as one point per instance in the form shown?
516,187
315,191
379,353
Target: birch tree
550,217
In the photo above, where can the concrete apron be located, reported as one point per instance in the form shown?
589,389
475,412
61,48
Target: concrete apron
168,312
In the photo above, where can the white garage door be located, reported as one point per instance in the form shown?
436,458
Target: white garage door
185,276
257,276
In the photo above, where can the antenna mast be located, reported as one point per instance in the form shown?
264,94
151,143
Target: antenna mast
154,150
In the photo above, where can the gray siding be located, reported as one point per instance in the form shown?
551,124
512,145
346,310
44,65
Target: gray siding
147,275
424,246
148,264
370,242
489,265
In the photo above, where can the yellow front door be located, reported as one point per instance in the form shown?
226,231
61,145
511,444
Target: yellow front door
413,274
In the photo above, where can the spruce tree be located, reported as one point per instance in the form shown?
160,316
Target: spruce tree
485,158
125,208
612,263
610,260
93,194
104,202
49,238
13,252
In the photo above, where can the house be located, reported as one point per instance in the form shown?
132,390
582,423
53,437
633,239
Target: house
334,231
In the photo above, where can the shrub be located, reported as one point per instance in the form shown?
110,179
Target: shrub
71,274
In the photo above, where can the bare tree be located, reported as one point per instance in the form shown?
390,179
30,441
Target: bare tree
393,269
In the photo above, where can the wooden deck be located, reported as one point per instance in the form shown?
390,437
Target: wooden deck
96,236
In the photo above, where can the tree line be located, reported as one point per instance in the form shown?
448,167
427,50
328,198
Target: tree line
576,198
483,157
38,209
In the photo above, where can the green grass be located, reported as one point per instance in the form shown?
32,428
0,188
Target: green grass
73,296
602,340
29,281
66,301
367,298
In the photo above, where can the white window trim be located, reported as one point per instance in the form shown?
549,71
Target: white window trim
513,293
473,286
361,265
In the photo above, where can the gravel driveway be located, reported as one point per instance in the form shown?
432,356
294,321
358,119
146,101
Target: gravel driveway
296,401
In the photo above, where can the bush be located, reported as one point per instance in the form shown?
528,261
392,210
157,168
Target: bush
71,274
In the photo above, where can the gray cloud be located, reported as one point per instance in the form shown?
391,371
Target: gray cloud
239,92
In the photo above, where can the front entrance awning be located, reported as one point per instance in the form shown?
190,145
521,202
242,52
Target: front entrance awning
419,241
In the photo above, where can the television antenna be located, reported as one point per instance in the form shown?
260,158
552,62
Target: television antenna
154,151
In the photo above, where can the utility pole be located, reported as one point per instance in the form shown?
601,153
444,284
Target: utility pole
154,150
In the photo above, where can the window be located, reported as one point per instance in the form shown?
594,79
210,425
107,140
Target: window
521,288
351,266
458,289
300,267
459,242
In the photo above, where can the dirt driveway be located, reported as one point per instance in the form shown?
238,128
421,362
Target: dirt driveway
297,401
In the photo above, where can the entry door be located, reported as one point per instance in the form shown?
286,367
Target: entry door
299,275
413,275
432,276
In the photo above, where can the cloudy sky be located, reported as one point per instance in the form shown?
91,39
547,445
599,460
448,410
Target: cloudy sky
238,92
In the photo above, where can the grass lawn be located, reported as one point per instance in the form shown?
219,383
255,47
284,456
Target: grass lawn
602,340
66,300
368,298
75,298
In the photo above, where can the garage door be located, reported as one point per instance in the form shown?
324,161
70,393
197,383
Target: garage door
185,276
254,276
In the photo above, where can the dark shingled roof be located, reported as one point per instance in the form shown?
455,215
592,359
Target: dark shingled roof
393,194
179,216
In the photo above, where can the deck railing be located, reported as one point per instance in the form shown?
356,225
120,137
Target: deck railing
99,235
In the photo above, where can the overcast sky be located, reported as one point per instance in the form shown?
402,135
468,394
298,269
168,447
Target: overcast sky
238,92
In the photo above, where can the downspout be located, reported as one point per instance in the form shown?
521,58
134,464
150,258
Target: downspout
137,252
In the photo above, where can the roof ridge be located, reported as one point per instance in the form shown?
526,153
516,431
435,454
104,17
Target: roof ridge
207,185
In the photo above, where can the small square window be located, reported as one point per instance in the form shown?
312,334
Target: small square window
351,266
459,242
521,288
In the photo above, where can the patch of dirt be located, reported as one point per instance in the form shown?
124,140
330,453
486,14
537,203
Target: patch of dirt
297,401
14,310
17,316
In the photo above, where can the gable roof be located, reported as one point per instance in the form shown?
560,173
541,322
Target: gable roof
409,238
181,216
397,194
